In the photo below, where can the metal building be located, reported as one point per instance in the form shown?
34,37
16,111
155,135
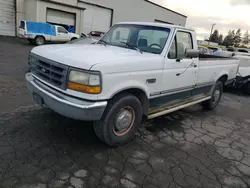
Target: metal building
83,15
7,17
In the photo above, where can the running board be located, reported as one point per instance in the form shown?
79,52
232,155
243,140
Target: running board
175,107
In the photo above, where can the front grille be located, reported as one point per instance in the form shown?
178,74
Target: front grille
48,70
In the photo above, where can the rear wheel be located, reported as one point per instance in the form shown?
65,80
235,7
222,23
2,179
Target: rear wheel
39,40
216,97
120,120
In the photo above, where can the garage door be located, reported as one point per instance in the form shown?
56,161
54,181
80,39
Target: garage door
60,17
96,19
7,17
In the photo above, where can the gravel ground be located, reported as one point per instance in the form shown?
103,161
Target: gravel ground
189,148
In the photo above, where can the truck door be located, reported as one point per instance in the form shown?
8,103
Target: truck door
62,35
180,72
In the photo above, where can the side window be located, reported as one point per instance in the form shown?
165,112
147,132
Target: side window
184,41
243,51
61,30
22,25
172,52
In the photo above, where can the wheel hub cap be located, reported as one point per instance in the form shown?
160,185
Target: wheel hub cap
216,95
39,41
124,121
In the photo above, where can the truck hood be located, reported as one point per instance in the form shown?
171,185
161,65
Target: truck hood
85,56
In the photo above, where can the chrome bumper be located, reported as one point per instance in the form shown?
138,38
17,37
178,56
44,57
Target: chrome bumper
65,105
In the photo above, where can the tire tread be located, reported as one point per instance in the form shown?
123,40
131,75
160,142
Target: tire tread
208,105
99,126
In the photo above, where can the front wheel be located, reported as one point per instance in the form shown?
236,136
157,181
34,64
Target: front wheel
120,120
73,39
216,96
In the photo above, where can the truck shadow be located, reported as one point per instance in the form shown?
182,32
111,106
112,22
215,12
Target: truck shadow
77,133
81,133
172,121
235,91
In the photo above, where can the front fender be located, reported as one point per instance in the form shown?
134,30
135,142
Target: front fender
131,84
114,86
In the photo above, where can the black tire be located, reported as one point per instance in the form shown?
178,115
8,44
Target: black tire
39,40
73,39
105,128
213,102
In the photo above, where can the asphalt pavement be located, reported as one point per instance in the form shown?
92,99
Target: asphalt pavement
190,148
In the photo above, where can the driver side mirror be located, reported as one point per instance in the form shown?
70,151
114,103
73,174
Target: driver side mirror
191,53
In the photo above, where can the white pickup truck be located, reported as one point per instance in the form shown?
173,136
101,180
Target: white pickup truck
39,33
136,71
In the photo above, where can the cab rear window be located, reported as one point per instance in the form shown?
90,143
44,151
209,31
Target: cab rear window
22,25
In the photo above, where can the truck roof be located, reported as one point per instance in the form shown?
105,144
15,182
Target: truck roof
157,25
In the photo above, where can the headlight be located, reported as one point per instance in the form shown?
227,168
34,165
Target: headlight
32,62
86,82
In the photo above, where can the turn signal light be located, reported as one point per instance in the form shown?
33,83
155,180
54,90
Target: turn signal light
84,88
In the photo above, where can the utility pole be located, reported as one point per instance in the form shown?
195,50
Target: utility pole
212,28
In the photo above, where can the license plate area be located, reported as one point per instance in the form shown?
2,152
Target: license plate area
38,99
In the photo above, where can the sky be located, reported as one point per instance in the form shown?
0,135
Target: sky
227,14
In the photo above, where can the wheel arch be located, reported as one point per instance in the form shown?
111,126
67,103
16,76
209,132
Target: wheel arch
40,36
223,78
139,93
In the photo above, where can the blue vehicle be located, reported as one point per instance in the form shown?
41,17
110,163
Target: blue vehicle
39,33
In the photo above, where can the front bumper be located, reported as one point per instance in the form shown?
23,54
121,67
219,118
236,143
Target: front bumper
66,105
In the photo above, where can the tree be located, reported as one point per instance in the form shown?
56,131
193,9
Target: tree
220,39
214,37
246,38
228,40
237,38
233,33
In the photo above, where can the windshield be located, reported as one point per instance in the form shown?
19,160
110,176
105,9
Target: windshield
243,51
149,39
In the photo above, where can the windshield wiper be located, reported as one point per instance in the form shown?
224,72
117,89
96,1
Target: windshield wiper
131,46
103,42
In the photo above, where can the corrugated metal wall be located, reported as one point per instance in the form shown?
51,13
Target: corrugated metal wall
7,17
